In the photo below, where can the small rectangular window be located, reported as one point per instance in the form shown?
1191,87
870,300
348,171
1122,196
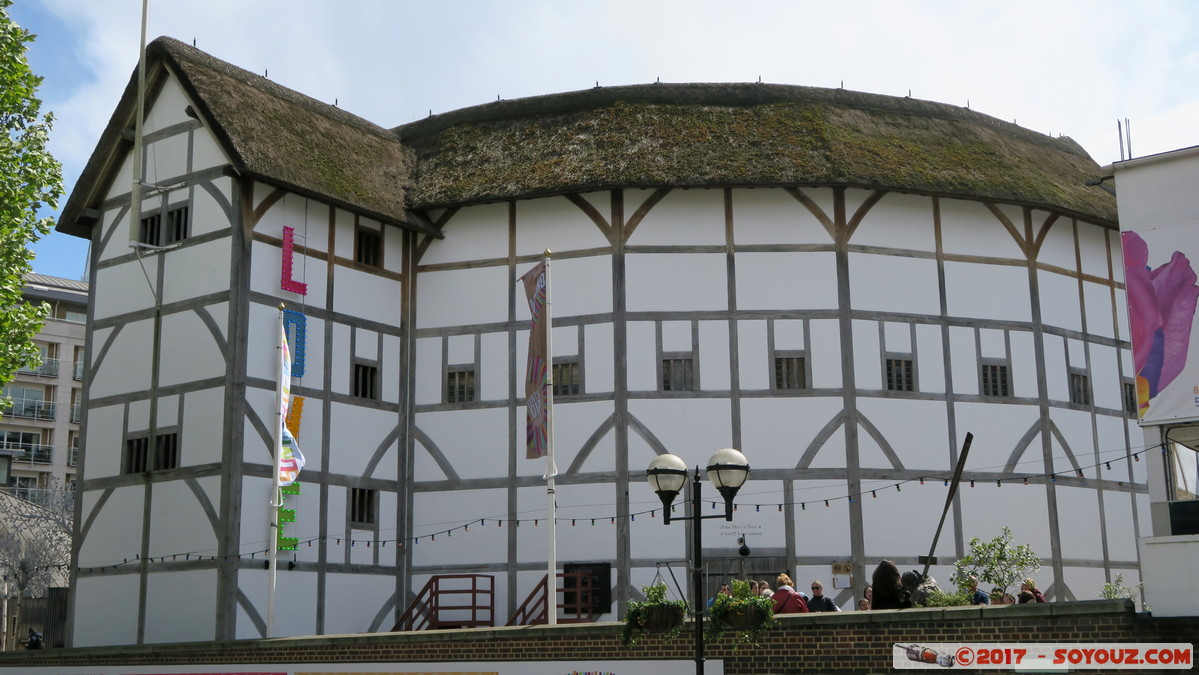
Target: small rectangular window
460,384
1130,399
368,248
567,380
362,508
166,452
366,381
790,373
178,225
900,375
1080,389
151,230
136,455
995,380
678,374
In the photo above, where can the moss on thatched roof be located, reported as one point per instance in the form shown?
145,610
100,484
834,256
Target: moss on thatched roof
720,135
270,133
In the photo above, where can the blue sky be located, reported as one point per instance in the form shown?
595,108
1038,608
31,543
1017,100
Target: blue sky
1055,66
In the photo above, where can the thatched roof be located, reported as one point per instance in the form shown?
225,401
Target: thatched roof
269,132
720,135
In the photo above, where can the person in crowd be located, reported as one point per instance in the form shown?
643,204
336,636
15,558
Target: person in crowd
864,605
34,641
977,597
1002,598
724,590
764,589
886,585
753,587
1026,597
869,594
819,602
1031,586
786,599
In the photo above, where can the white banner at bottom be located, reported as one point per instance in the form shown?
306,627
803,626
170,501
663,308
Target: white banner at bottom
1029,656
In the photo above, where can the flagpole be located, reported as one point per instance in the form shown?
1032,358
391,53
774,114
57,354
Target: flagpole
551,470
275,500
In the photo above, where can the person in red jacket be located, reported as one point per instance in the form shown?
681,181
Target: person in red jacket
786,599
1031,586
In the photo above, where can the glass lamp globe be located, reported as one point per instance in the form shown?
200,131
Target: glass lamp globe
728,468
667,473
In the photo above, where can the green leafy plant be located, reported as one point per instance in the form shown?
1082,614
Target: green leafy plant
996,563
940,598
1116,590
747,615
655,614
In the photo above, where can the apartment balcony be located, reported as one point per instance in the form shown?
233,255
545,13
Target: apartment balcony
49,368
76,413
33,453
73,456
37,495
32,409
79,370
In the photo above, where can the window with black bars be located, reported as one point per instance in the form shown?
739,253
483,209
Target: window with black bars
678,374
567,378
362,508
790,373
366,381
995,380
900,374
166,452
178,225
1130,399
460,385
1080,389
368,248
151,230
137,455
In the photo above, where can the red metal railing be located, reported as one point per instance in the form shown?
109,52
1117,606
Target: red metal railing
451,601
576,605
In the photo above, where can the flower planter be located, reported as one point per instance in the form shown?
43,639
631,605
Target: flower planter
661,619
746,619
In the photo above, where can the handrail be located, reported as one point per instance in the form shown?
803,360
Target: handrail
445,603
533,610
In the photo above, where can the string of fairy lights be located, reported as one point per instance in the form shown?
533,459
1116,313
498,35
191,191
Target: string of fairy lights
591,521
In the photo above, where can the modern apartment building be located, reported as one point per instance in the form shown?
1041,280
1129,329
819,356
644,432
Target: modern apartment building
41,429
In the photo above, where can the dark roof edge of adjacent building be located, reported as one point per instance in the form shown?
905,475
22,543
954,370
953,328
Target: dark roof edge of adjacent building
45,287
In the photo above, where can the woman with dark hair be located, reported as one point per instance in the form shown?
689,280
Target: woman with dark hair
887,586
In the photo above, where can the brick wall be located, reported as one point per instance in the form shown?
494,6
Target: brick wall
846,642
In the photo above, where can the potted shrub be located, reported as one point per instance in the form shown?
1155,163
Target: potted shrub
746,614
655,615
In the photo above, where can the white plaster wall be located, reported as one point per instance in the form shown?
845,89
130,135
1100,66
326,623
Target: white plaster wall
991,292
930,357
898,221
1092,246
997,430
343,233
189,350
574,424
1056,380
428,371
307,217
130,293
206,152
676,281
1117,514
356,433
266,272
117,623
557,224
462,297
867,361
963,360
166,159
642,359
493,378
754,366
894,284
369,296
889,520
714,365
1105,377
473,441
339,365
968,228
125,367
353,600
1058,246
474,233
775,217
775,432
599,366
826,354
116,531
578,286
181,606
915,445
786,280
821,530
1060,302
201,436
1098,304
1077,517
690,428
437,512
1024,364
105,427
389,367
694,216
208,214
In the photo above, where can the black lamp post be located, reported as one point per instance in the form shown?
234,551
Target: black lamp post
727,469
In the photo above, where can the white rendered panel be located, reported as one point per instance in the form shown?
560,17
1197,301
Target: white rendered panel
1117,511
555,223
714,362
494,379
914,444
574,425
208,213
474,233
897,337
166,159
578,286
460,349
1059,301
968,228
258,440
428,371
389,368
197,269
887,521
344,225
775,432
206,153
816,522
694,217
993,292
690,428
774,217
120,186
992,343
364,295
358,433
266,274
339,365
930,355
365,344
642,357
1092,246
825,354
789,334
1106,385
200,435
104,430
898,221
1056,381
167,108
189,351
676,281
117,623
474,442
116,531
786,280
895,284
598,358
116,221
1024,364
867,362
131,292
309,220
754,365
1122,325
1098,303
460,511
1058,246
1078,524
676,336
462,297
125,367
194,591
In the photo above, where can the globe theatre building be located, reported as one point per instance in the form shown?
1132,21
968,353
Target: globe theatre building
839,284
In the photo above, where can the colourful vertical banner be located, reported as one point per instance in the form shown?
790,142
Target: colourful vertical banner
291,461
537,369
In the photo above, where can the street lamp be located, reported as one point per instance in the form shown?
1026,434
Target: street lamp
727,470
